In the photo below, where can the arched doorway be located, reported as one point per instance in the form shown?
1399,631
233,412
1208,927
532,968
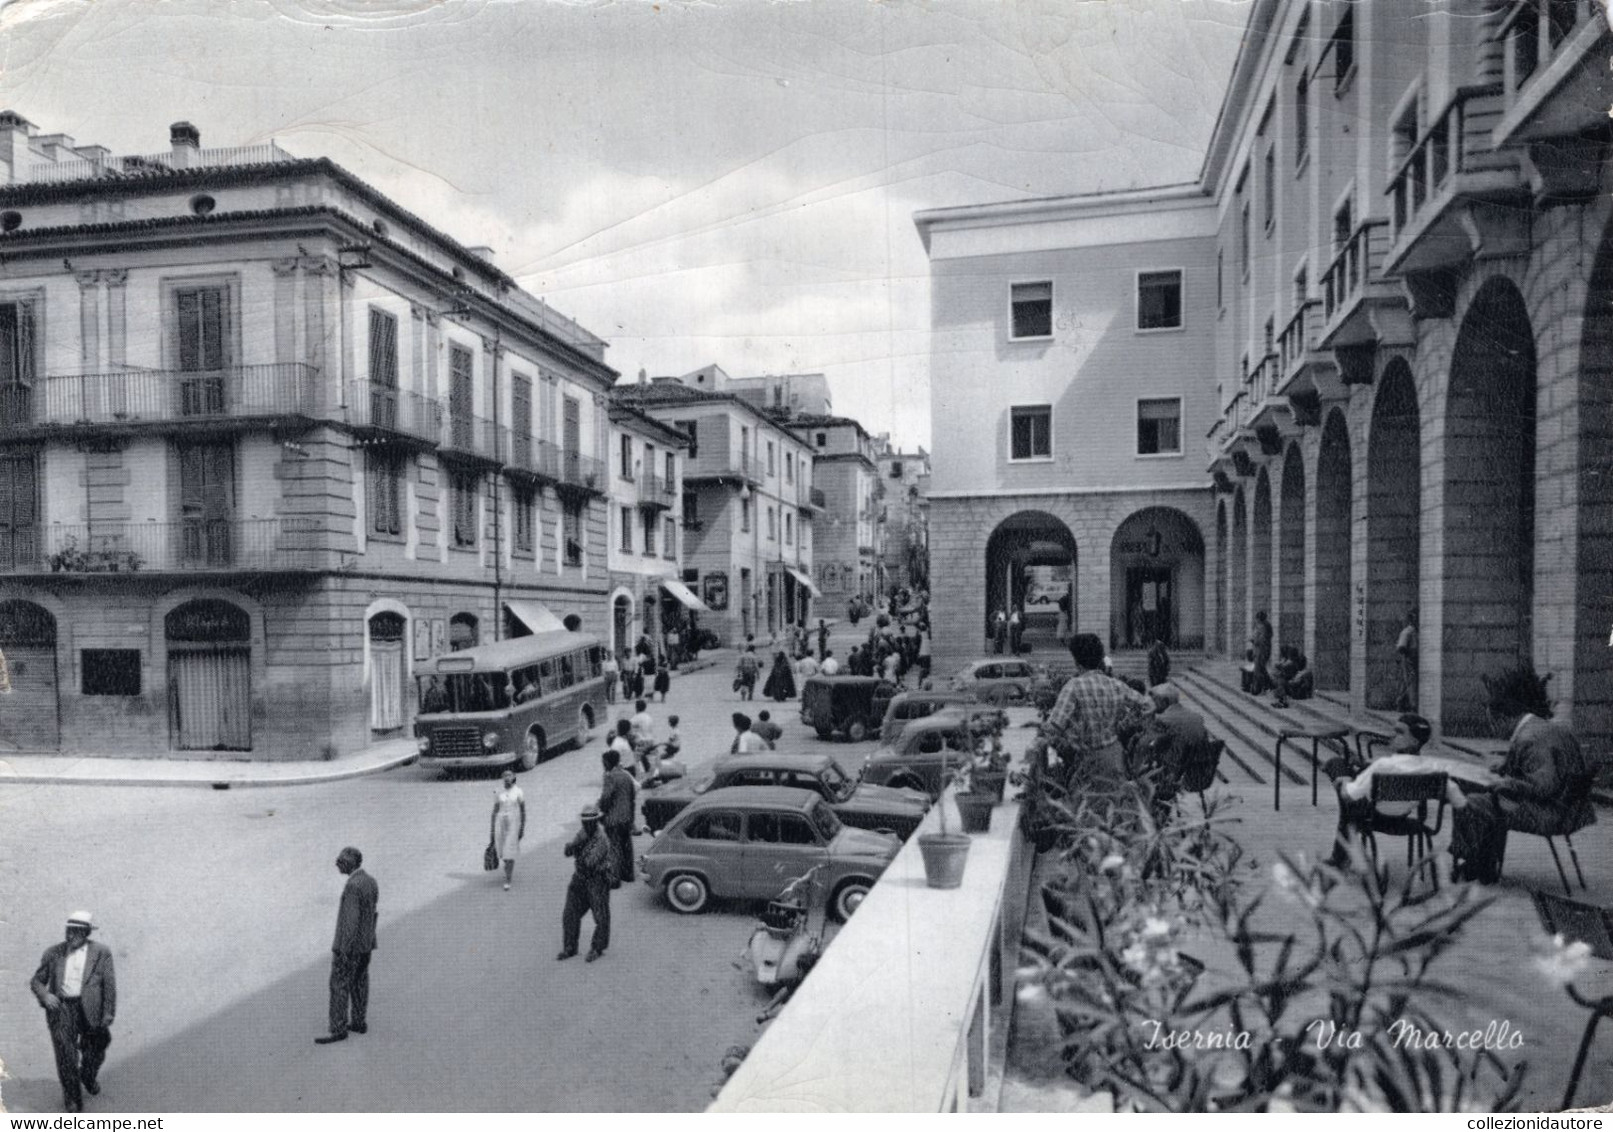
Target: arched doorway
464,632
1237,590
31,719
1030,566
1221,577
209,676
1489,503
1593,565
1331,662
621,623
388,675
1291,550
1260,553
1394,511
1156,581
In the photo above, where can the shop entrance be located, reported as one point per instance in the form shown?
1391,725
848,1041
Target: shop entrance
1150,613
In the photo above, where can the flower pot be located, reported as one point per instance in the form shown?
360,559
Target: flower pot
991,782
974,810
945,855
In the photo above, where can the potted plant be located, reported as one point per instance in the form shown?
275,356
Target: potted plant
945,853
989,774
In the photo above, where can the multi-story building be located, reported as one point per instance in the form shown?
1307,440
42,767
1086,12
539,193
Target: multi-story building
905,515
748,505
1067,372
266,441
849,534
1411,271
784,394
645,480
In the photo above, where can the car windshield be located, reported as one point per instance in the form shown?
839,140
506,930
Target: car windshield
824,818
837,781
463,692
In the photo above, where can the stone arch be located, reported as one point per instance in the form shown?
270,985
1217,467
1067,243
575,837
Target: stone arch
1331,659
1261,547
1032,554
1593,518
208,644
1489,520
1220,612
621,620
1156,569
388,663
31,720
1291,550
1394,513
1238,577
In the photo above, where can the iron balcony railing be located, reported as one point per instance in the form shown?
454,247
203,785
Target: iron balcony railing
470,436
187,545
1456,142
134,396
392,412
817,498
111,167
655,490
581,471
723,465
1359,261
532,456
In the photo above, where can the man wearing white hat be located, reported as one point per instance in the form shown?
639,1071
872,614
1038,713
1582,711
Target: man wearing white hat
589,890
79,991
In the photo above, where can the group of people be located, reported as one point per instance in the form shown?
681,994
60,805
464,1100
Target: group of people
639,669
1289,679
892,650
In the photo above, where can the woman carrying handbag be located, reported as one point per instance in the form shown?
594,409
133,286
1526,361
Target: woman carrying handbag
508,826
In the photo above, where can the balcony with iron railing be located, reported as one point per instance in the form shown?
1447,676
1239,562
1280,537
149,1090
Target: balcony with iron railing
1451,193
527,456
737,467
389,414
468,438
1555,86
584,472
134,398
656,493
120,168
186,546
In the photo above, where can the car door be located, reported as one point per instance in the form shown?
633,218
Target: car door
779,847
715,843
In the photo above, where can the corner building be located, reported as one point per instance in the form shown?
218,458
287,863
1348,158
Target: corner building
1412,344
266,441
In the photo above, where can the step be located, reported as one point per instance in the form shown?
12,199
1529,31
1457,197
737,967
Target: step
1230,717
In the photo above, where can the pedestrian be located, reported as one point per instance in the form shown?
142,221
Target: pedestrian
891,667
1016,631
806,667
508,824
746,672
1063,630
924,655
642,726
674,647
612,672
593,875
1092,710
637,663
746,741
77,987
674,741
1406,651
1260,641
780,684
999,632
663,679
350,950
616,809
1159,663
823,637
770,732
830,665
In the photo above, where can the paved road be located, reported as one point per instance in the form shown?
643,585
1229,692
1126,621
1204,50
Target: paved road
219,908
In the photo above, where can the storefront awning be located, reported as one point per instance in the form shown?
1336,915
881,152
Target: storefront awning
684,594
803,580
535,616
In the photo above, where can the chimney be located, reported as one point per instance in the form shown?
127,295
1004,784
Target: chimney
14,159
186,141
643,376
482,252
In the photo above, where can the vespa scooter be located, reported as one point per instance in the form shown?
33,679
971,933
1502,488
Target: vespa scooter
788,939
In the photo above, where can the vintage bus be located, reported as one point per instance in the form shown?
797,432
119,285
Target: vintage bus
511,701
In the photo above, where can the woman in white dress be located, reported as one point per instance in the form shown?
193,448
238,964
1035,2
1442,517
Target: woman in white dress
509,824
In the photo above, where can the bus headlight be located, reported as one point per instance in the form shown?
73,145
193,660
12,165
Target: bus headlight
490,741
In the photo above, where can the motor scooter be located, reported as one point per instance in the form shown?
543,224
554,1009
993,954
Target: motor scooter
788,939
656,764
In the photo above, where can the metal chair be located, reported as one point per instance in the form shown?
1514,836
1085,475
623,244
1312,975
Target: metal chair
1421,788
1576,815
1575,921
1200,770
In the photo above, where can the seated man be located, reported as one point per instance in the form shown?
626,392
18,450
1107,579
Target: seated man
1353,783
1544,787
1173,736
1292,678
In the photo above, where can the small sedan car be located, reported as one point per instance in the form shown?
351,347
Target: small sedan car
750,841
857,804
1001,681
908,706
929,751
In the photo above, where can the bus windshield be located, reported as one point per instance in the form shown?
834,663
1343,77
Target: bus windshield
463,692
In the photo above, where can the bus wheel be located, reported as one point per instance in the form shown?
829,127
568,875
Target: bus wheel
532,749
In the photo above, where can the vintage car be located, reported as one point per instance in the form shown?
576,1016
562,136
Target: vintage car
908,706
1002,680
748,842
852,706
859,805
930,751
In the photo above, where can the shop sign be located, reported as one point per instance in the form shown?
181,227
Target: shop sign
714,590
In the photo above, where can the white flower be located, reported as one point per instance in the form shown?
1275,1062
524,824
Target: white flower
1136,956
1030,994
1561,962
1156,928
1112,863
1288,882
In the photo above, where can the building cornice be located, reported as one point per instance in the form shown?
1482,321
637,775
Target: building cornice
1048,492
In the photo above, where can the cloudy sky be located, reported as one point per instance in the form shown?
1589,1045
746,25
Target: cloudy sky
731,181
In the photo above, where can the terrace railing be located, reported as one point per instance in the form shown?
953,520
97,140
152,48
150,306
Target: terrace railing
135,396
192,544
1357,262
394,412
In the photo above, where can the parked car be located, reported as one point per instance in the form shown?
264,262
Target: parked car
929,751
849,705
1001,681
860,805
908,706
749,841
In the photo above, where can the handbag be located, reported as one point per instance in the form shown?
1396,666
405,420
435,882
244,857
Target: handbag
489,857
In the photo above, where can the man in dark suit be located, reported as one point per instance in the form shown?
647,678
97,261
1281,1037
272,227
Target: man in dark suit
76,985
593,877
1543,787
616,804
350,950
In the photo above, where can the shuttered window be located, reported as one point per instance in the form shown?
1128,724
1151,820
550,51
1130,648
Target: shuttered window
19,512
383,349
201,313
465,499
386,492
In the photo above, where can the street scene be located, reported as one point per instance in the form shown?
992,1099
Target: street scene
821,557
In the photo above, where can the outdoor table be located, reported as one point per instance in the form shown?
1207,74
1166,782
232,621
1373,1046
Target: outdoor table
1299,735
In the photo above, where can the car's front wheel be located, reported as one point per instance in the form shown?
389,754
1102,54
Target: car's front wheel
687,893
857,730
849,897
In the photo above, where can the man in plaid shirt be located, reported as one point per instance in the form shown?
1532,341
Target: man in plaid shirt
1090,710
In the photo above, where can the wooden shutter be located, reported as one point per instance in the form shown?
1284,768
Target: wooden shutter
383,349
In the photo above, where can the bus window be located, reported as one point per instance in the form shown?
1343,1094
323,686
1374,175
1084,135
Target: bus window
525,683
433,696
477,691
550,677
596,660
567,677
